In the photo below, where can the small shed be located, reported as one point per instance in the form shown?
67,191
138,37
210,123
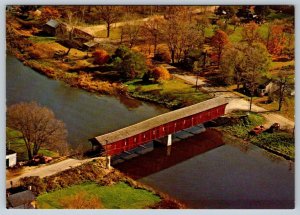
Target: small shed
21,200
90,45
50,27
82,35
11,158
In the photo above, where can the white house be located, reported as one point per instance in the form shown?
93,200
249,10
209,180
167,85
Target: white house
11,158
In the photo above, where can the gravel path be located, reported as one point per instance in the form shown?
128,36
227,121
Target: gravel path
49,169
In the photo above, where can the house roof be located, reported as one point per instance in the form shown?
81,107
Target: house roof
21,198
159,120
91,43
53,23
10,152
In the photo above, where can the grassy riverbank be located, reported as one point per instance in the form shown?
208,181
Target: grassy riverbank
280,143
174,93
105,188
118,196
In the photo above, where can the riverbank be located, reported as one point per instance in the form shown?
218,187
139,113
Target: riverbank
47,56
280,142
95,172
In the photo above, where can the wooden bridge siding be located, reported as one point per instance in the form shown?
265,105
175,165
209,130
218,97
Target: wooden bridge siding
163,130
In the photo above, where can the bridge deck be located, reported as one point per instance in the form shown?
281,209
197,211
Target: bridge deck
159,120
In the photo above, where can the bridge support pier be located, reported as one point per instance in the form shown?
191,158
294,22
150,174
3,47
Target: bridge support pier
108,162
168,140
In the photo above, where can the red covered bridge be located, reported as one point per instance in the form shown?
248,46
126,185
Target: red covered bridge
160,126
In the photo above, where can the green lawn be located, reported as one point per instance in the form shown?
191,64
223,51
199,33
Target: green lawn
174,93
17,144
118,196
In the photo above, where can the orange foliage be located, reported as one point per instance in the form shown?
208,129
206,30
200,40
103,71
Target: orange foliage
219,41
250,32
49,12
277,41
163,53
160,73
81,201
100,56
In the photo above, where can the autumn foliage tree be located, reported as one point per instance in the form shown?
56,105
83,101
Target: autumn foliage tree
277,40
219,41
49,12
160,74
250,33
100,56
38,126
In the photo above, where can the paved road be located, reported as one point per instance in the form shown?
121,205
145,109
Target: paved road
49,169
239,103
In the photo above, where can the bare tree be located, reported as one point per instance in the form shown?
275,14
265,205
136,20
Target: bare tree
151,31
38,126
131,31
286,84
109,14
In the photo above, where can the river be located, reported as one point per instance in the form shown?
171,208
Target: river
200,170
86,115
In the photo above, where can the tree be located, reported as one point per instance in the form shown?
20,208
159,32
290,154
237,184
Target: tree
231,63
262,10
72,21
286,84
100,56
151,31
130,63
181,35
235,21
49,12
250,33
245,64
109,14
130,33
38,126
202,23
277,40
219,41
255,64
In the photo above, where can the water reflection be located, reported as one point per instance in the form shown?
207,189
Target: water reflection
163,157
130,103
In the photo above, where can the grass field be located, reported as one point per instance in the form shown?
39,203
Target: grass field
16,143
174,92
118,196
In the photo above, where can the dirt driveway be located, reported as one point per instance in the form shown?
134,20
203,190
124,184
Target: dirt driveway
48,169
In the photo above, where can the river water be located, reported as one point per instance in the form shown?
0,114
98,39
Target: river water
200,170
86,115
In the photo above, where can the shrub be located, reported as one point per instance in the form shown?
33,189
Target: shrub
100,57
37,184
35,53
163,54
160,74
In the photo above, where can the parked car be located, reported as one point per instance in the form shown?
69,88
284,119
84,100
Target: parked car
257,130
40,159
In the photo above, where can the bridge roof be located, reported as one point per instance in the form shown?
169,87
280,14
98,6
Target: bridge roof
159,120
